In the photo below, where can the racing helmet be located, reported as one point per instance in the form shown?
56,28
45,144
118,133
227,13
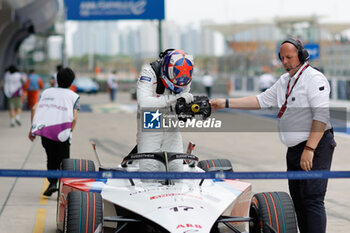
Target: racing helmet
177,69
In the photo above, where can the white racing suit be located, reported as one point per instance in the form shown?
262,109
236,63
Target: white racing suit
168,140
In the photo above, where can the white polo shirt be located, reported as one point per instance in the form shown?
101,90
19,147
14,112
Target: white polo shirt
308,101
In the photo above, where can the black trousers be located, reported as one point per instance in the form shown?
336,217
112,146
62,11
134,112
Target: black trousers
55,152
308,195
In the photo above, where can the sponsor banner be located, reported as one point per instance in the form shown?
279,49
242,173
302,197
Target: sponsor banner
114,9
230,120
313,50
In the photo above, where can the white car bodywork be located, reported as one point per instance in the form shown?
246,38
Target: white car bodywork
180,207
188,205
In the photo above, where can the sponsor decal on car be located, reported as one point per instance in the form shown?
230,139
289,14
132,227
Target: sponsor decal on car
161,188
183,208
189,225
173,195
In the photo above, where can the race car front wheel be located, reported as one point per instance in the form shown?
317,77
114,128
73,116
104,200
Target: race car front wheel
272,212
82,165
84,213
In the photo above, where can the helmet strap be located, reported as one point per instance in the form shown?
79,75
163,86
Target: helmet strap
160,85
157,68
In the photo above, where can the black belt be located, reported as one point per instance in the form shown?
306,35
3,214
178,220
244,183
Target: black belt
304,142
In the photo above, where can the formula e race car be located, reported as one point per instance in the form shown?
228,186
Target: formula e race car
188,205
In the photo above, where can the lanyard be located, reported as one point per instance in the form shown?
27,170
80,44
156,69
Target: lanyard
284,106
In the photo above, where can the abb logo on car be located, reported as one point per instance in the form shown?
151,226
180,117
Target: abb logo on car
188,225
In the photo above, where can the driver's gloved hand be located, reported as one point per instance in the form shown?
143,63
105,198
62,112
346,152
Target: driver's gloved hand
187,96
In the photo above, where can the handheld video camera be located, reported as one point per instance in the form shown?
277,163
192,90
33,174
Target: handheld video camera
200,106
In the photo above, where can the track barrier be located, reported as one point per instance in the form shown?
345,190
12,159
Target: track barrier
292,175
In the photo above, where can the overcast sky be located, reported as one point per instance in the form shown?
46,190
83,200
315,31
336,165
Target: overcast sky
228,11
192,12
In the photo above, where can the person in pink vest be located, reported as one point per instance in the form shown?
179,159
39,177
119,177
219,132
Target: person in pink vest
54,118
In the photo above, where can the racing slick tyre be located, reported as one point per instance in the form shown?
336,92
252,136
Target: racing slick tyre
82,165
215,165
72,165
84,213
272,212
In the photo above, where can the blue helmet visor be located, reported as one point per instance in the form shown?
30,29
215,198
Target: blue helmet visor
172,87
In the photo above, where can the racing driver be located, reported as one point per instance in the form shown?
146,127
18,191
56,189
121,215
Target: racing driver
159,86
